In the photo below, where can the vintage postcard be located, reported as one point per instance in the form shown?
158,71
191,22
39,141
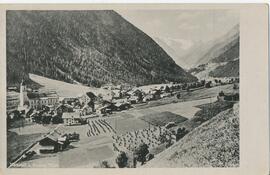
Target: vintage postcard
135,87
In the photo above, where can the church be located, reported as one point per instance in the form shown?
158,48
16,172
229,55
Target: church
36,100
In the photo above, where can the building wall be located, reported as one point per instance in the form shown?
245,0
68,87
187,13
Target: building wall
38,103
12,101
70,121
84,99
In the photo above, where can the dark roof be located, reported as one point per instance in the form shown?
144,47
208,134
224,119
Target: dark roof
91,95
32,95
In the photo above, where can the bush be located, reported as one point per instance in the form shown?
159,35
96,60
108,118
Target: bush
141,153
122,160
181,132
57,119
103,164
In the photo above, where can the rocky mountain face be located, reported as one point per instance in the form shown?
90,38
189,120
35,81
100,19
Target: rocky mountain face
222,59
88,47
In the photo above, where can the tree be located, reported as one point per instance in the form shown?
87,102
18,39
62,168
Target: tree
221,93
202,82
122,160
57,119
141,153
140,96
103,164
181,132
167,89
208,84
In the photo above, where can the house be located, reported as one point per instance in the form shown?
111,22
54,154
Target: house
133,99
87,110
121,105
228,97
156,94
148,97
87,97
52,143
71,118
107,107
116,94
38,100
64,108
165,95
67,100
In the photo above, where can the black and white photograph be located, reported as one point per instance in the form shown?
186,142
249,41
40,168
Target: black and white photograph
123,88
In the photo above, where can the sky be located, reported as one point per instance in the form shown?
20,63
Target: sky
186,26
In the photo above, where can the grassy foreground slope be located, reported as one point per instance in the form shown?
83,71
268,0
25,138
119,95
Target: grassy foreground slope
213,144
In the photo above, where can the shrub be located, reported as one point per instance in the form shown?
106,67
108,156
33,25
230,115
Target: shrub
141,153
122,160
103,164
181,132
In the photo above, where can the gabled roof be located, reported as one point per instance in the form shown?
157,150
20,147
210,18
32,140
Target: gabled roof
91,95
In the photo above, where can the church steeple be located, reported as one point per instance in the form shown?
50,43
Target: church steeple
22,91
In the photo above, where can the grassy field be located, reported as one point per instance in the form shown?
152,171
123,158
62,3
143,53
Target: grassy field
16,144
84,157
207,112
65,89
125,124
161,119
207,92
189,96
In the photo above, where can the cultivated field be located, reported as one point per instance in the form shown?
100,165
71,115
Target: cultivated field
161,119
125,124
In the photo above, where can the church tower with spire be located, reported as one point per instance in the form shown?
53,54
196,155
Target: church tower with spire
22,93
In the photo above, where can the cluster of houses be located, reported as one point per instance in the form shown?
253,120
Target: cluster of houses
46,106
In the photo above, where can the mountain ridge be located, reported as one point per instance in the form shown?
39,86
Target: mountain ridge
222,59
90,47
202,52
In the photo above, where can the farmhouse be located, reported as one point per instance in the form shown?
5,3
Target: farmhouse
71,118
52,143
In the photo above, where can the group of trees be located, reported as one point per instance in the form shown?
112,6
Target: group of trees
188,86
141,154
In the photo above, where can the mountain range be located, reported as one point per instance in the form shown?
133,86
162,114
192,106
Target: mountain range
219,59
191,54
89,47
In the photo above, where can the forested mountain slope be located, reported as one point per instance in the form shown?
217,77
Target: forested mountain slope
90,47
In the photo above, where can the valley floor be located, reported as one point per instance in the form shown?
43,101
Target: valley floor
90,150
